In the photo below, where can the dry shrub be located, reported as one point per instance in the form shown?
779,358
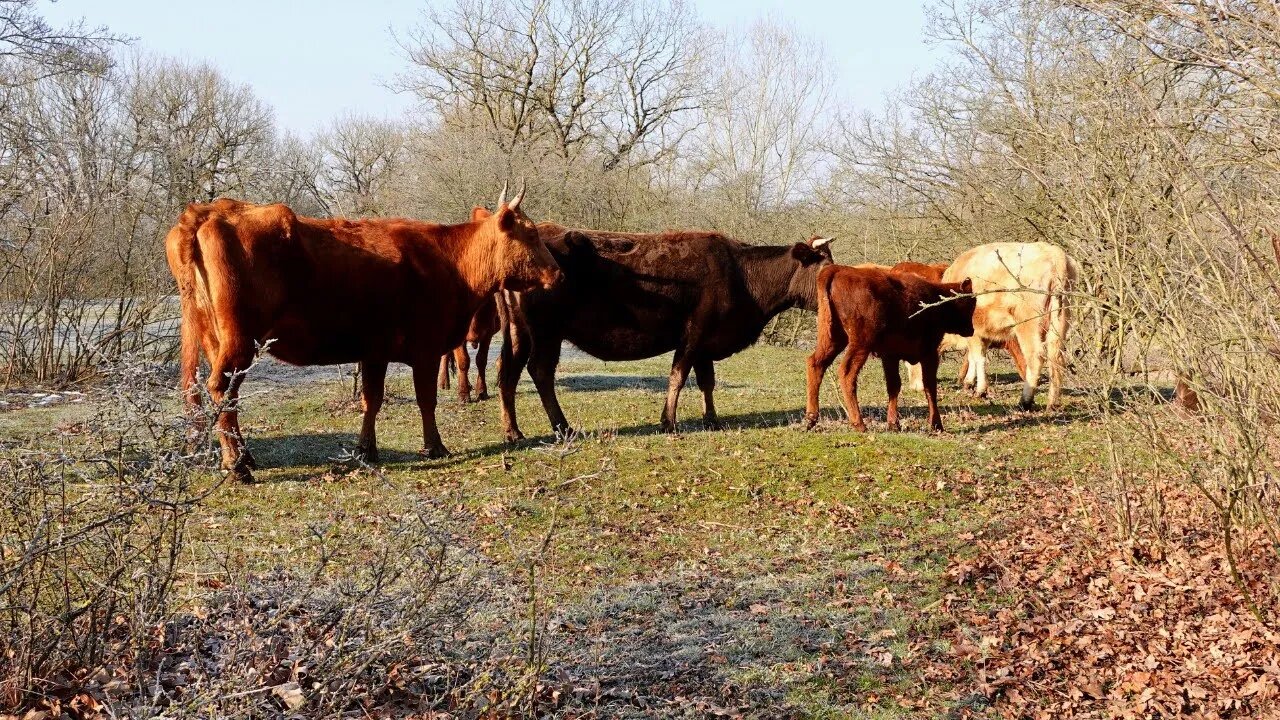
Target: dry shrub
92,525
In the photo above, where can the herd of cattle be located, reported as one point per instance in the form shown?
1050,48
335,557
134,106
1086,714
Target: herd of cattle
376,291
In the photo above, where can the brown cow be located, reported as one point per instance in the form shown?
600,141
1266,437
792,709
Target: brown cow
483,327
883,313
934,272
338,291
628,296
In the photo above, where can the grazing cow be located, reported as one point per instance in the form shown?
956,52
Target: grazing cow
934,273
338,291
1020,290
483,327
896,316
628,296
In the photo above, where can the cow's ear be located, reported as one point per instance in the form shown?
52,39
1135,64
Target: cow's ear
966,287
806,254
506,218
479,213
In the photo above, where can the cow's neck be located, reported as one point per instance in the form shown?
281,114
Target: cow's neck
474,254
768,271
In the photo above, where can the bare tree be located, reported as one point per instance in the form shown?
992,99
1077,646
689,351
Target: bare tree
766,116
31,49
359,157
570,77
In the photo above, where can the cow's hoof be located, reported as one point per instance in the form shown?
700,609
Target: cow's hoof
514,436
895,427
434,453
240,474
1026,404
465,399
246,460
482,395
668,427
860,427
369,455
712,424
810,422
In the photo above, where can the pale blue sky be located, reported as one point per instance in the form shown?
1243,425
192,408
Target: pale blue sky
333,56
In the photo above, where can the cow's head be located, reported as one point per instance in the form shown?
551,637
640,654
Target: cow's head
811,256
520,259
958,311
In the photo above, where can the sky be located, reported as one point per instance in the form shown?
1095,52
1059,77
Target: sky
315,60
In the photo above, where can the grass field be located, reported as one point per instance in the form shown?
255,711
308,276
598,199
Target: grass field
763,567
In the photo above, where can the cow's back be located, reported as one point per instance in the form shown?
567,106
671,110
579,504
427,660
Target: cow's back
1009,265
628,296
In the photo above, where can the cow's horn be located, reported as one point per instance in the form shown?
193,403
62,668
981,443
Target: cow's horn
519,196
502,196
819,242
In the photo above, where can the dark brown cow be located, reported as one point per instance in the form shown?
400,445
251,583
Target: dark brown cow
877,312
483,327
629,296
933,272
338,291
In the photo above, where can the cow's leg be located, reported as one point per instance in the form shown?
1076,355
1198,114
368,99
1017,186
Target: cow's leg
893,387
962,377
542,368
830,342
424,386
914,379
1028,336
849,369
680,366
445,359
226,373
192,332
373,379
929,369
463,361
978,366
512,359
482,361
1014,348
706,372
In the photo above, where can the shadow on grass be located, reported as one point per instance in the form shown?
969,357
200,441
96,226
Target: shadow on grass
608,382
299,457
605,383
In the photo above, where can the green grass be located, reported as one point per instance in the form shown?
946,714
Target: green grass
846,530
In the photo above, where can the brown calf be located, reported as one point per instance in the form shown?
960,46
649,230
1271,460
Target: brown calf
338,291
883,313
483,327
934,273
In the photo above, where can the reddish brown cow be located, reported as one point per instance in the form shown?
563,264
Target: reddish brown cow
933,272
484,326
883,313
338,291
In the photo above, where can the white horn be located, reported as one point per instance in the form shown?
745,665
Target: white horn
520,196
502,197
822,241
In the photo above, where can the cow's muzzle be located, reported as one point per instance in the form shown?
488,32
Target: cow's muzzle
551,278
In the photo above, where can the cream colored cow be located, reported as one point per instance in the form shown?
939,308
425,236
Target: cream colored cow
1020,289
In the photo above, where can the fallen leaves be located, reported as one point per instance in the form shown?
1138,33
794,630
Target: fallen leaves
1106,629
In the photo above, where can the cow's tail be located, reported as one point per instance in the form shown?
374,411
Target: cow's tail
1058,315
183,253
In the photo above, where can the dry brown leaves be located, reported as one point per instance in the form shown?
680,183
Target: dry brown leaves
1103,629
